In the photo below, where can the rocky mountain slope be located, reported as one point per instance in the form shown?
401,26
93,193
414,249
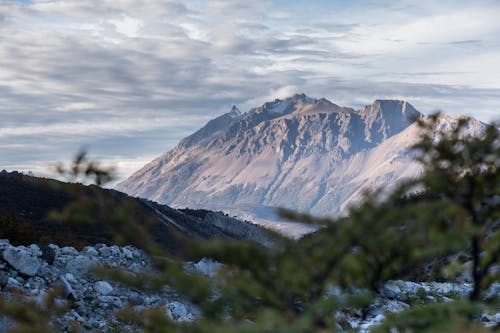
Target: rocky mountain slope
300,153
26,203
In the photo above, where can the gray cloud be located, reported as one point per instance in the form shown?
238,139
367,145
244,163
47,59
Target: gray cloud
468,42
129,78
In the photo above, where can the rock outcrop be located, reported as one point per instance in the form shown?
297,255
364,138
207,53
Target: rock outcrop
24,260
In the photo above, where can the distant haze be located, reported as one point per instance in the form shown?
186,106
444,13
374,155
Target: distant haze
128,79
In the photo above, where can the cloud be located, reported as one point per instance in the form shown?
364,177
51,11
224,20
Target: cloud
116,74
93,128
467,42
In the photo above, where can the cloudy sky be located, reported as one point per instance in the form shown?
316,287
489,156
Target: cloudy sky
127,79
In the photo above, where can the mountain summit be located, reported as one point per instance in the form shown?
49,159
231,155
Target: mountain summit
299,152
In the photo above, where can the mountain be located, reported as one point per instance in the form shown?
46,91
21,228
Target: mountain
26,203
301,153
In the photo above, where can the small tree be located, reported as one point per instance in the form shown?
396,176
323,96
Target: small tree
461,172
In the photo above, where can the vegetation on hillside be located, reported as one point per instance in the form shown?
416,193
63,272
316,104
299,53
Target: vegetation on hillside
43,211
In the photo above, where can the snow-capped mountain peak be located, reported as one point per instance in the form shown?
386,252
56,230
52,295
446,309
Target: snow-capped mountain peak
277,107
288,105
299,152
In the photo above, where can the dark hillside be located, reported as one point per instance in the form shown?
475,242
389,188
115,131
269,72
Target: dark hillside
26,203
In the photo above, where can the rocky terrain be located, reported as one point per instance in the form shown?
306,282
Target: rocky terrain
305,154
397,296
32,271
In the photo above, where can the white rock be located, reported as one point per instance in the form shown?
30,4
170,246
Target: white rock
395,306
369,323
412,287
334,291
90,251
35,250
391,290
446,288
112,300
109,251
67,289
208,267
80,265
69,250
495,318
178,311
13,283
103,288
128,254
56,248
493,291
69,277
4,243
22,260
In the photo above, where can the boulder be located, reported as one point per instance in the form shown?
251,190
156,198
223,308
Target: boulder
70,278
91,251
109,251
179,311
493,291
207,267
22,259
35,250
13,283
127,253
67,291
80,265
103,288
395,306
391,290
69,251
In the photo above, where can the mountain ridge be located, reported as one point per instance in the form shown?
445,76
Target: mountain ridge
301,153
26,203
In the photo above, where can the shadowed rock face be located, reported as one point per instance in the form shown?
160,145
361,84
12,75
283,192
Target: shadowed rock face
301,153
385,118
